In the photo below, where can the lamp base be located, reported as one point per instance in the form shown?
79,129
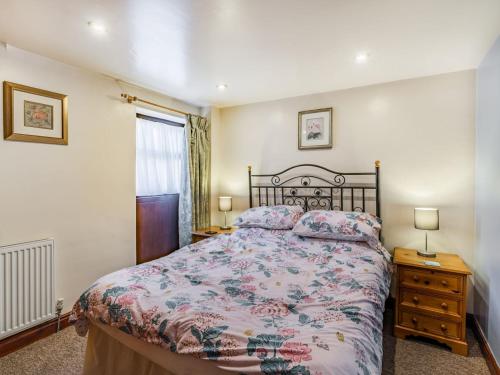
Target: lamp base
427,254
224,227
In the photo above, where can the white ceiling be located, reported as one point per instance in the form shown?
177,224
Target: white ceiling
263,49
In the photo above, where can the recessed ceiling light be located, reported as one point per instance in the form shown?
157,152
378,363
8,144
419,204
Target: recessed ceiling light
361,57
97,27
222,86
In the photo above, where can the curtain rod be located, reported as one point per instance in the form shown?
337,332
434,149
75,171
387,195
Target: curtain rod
131,99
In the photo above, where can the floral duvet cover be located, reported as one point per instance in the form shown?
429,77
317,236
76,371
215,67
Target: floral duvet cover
255,301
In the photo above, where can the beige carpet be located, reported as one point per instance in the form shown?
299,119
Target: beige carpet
58,354
421,357
62,354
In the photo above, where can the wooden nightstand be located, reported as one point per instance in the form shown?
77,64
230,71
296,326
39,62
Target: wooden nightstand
201,234
431,301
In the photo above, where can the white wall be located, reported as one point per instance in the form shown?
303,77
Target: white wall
422,130
83,194
487,255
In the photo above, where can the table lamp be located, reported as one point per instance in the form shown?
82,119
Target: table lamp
225,204
426,219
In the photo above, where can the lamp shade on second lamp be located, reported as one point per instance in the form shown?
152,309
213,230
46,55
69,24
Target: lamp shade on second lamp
225,204
427,218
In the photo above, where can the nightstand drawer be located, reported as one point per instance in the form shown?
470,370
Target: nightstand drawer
443,305
431,300
196,238
431,325
204,233
431,280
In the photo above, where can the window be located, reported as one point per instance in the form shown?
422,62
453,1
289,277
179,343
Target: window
161,149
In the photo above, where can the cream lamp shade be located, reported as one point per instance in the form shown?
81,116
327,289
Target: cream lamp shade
427,218
225,204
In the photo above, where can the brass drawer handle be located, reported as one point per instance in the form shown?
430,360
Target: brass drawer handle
415,300
444,306
414,320
444,283
415,278
443,327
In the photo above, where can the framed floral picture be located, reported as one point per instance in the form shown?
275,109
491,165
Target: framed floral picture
315,129
34,115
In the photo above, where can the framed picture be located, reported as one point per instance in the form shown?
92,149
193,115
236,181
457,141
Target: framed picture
315,129
34,115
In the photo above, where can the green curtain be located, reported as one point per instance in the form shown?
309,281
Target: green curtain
198,133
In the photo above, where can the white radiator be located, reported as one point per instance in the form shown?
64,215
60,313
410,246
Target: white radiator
26,285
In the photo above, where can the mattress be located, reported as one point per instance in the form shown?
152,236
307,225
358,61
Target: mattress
110,351
255,301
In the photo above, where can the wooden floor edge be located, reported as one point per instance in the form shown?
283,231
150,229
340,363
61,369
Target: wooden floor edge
20,340
483,344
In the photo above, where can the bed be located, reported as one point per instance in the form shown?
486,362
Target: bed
256,301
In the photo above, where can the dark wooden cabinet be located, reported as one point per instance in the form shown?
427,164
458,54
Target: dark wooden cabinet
157,232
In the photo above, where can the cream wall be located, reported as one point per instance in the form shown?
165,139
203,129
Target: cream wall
421,129
83,194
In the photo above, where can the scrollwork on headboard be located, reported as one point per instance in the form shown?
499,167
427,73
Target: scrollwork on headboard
317,188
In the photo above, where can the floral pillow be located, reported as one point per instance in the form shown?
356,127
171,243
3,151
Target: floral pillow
270,217
340,225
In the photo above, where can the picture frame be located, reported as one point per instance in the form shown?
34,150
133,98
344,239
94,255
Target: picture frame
34,115
315,129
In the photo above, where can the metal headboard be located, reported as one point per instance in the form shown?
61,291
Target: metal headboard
317,188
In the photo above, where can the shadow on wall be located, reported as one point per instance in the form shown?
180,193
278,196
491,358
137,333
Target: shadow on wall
481,297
